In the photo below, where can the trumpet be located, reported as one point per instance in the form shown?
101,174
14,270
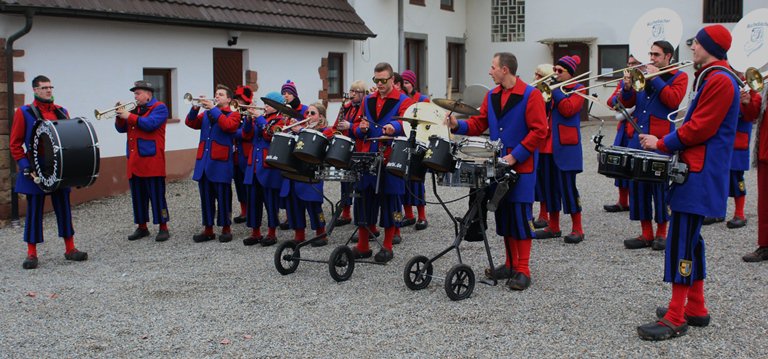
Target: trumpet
189,100
638,78
112,112
243,109
546,90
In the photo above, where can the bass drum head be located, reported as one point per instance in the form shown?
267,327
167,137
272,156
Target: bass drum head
65,153
46,161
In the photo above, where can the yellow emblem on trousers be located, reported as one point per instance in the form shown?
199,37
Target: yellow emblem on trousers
164,213
321,217
299,145
684,267
741,186
397,216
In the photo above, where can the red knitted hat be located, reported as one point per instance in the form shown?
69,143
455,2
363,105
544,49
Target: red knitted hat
716,39
569,63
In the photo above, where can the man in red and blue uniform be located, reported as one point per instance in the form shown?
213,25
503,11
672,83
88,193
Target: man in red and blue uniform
213,167
705,143
662,95
349,114
414,195
243,96
144,127
378,109
515,113
41,109
561,155
761,162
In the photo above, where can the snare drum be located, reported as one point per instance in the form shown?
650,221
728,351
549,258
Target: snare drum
340,150
440,155
279,154
65,153
650,167
472,175
306,172
479,147
615,162
311,146
399,157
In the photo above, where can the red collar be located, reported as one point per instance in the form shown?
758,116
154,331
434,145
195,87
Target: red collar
517,89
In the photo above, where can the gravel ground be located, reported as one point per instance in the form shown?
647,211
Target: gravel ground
182,299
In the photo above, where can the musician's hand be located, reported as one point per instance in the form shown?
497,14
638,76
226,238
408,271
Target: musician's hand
745,97
648,141
388,130
373,89
253,112
123,114
207,104
343,125
364,125
627,80
451,121
650,69
510,159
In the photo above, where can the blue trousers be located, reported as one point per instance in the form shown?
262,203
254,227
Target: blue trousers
736,186
33,229
368,205
238,177
346,190
513,219
212,193
684,259
414,193
145,190
255,204
648,201
559,187
295,208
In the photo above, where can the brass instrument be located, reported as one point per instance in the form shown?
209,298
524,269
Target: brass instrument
754,79
638,78
546,90
628,68
189,100
243,109
547,79
112,112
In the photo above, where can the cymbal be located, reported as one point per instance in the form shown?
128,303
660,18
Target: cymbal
456,106
416,121
380,138
282,108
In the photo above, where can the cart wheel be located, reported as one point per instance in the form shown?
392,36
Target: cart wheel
341,264
417,273
287,257
460,282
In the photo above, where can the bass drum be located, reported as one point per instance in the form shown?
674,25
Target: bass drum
65,153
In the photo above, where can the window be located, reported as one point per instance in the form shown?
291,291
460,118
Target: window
415,53
723,10
335,75
456,65
417,2
611,58
507,20
161,81
446,4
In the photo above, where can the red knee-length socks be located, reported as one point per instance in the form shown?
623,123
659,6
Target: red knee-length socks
647,227
408,212
164,226
696,306
272,231
739,202
69,244
32,250
299,235
243,208
675,313
624,197
256,232
422,213
661,230
143,225
523,247
543,211
389,233
554,221
576,219
362,240
208,230
345,213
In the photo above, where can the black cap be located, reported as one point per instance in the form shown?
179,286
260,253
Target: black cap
142,85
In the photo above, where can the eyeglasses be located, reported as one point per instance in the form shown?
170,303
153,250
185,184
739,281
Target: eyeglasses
380,81
311,113
654,54
45,87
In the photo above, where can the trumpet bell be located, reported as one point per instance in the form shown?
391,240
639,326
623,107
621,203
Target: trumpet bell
188,98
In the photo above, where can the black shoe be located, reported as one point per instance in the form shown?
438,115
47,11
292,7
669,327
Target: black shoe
358,255
30,263
736,222
659,244
573,238
422,225
225,237
713,220
342,221
202,237
397,239
268,241
540,223
320,242
637,243
759,255
376,233
407,222
613,208
250,241
383,256
239,219
547,233
693,321
661,330
519,281
285,225
502,272
162,235
138,234
76,256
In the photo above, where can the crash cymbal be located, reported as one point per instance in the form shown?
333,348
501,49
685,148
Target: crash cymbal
380,138
456,106
282,108
415,121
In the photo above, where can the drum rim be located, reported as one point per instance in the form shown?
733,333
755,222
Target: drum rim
96,152
312,131
342,137
284,134
60,170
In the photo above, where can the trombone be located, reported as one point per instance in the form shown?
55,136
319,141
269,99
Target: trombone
546,90
628,68
754,79
639,79
112,112
546,79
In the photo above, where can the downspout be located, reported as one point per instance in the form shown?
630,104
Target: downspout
400,36
10,108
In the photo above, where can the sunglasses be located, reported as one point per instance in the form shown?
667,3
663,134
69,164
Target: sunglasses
559,71
46,88
311,113
381,81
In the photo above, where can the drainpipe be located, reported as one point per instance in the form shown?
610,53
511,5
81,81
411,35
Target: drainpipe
400,36
10,108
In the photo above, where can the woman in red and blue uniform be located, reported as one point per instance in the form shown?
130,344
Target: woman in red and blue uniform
561,156
243,96
214,164
42,108
145,150
515,113
351,112
705,143
291,98
414,195
662,95
301,197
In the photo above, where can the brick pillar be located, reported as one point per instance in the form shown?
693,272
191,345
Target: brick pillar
252,80
322,95
18,100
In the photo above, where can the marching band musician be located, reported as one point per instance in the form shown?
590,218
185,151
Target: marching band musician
542,71
561,157
303,197
623,132
378,109
515,113
41,108
263,182
749,102
145,129
243,96
291,98
350,112
760,160
661,95
213,167
705,141
415,195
